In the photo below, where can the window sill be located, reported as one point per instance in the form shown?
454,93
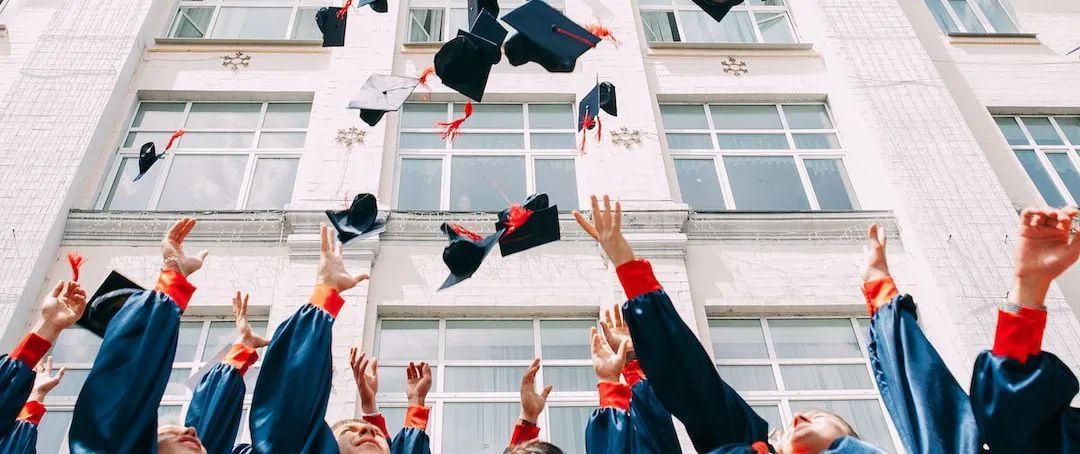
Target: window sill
993,38
421,48
809,226
667,49
280,45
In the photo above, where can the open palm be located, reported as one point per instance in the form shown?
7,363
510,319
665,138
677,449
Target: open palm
45,381
332,265
607,364
245,334
64,305
172,247
1047,246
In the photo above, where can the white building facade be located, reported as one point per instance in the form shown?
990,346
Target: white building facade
749,157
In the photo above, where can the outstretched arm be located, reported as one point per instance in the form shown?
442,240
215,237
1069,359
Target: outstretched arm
930,410
366,375
1020,395
23,436
413,439
136,356
679,369
609,429
532,404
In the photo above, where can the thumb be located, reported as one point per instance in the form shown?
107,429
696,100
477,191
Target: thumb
58,288
547,390
623,349
361,277
202,254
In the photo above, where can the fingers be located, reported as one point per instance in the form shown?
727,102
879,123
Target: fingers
605,317
48,365
529,377
202,255
596,214
374,366
594,337
605,329
618,317
607,212
361,277
426,369
60,374
324,242
174,232
547,390
352,358
410,372
617,222
64,289
586,225
245,305
57,288
624,348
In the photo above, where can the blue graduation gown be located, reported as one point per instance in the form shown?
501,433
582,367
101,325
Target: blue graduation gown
411,439
644,427
930,410
17,378
117,408
21,439
217,404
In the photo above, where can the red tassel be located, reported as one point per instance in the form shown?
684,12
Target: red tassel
587,123
573,36
465,232
344,9
427,72
175,135
76,262
599,129
453,129
516,218
602,32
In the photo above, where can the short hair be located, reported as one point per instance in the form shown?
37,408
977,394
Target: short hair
843,422
533,447
344,423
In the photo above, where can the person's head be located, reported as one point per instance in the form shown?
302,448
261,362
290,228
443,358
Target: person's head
533,447
178,440
813,431
356,436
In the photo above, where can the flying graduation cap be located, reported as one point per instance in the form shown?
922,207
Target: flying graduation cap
464,63
465,252
381,94
602,97
527,226
148,154
477,6
359,221
331,21
717,8
109,298
546,37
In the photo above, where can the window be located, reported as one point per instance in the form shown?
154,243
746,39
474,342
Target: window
238,19
754,21
435,21
1049,150
505,153
786,365
757,157
477,366
199,342
231,156
972,16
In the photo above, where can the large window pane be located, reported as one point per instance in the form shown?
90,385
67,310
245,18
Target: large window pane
175,386
816,141
752,141
999,19
683,117
685,141
699,184
272,185
774,27
814,338
422,115
771,415
282,139
487,116
765,183
551,116
1013,134
825,377
830,183
169,415
52,432
252,23
737,339
660,26
483,379
748,378
410,340
392,379
421,141
745,117
203,182
127,194
565,339
556,141
1067,172
477,427
489,141
486,183
425,25
941,16
188,342
1071,127
1040,177
305,27
570,379
395,419
811,116
224,116
77,345
419,185
865,417
700,27
566,427
159,115
71,384
557,178
489,339
287,115
967,16
1042,131
216,140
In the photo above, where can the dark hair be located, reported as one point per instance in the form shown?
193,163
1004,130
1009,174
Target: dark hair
533,447
850,430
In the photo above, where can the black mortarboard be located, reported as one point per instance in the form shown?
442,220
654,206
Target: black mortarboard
147,157
487,27
332,26
717,8
602,96
556,41
379,6
359,221
381,94
107,301
528,226
477,6
464,64
465,252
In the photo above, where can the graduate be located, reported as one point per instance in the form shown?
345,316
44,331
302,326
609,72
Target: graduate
682,374
23,435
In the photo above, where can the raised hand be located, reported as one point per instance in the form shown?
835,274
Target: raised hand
1047,248
877,267
367,380
418,383
45,381
616,331
532,402
332,266
172,248
607,363
244,334
61,309
606,228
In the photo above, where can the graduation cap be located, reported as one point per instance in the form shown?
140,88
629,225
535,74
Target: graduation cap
529,225
331,21
478,6
381,94
379,6
148,155
464,63
107,301
547,37
359,221
717,8
487,27
602,97
465,252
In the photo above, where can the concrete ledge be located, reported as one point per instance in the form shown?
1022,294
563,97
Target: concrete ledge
994,38
847,227
712,49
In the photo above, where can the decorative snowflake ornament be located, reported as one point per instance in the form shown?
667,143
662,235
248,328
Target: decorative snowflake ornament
735,66
351,136
625,137
236,61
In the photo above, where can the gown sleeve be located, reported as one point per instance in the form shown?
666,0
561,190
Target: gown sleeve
24,434
680,371
218,401
412,439
609,429
524,433
1020,394
117,408
288,409
17,377
930,410
654,432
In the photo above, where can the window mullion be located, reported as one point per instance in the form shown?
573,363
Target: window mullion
981,17
1040,154
953,15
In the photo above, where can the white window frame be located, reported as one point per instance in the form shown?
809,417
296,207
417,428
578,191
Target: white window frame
979,14
446,153
447,6
717,154
437,397
676,8
296,5
253,154
1071,150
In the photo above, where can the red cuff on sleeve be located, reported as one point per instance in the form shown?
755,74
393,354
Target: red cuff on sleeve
176,286
379,420
614,395
878,292
31,349
328,299
524,433
417,417
632,372
1019,335
637,278
32,412
241,357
